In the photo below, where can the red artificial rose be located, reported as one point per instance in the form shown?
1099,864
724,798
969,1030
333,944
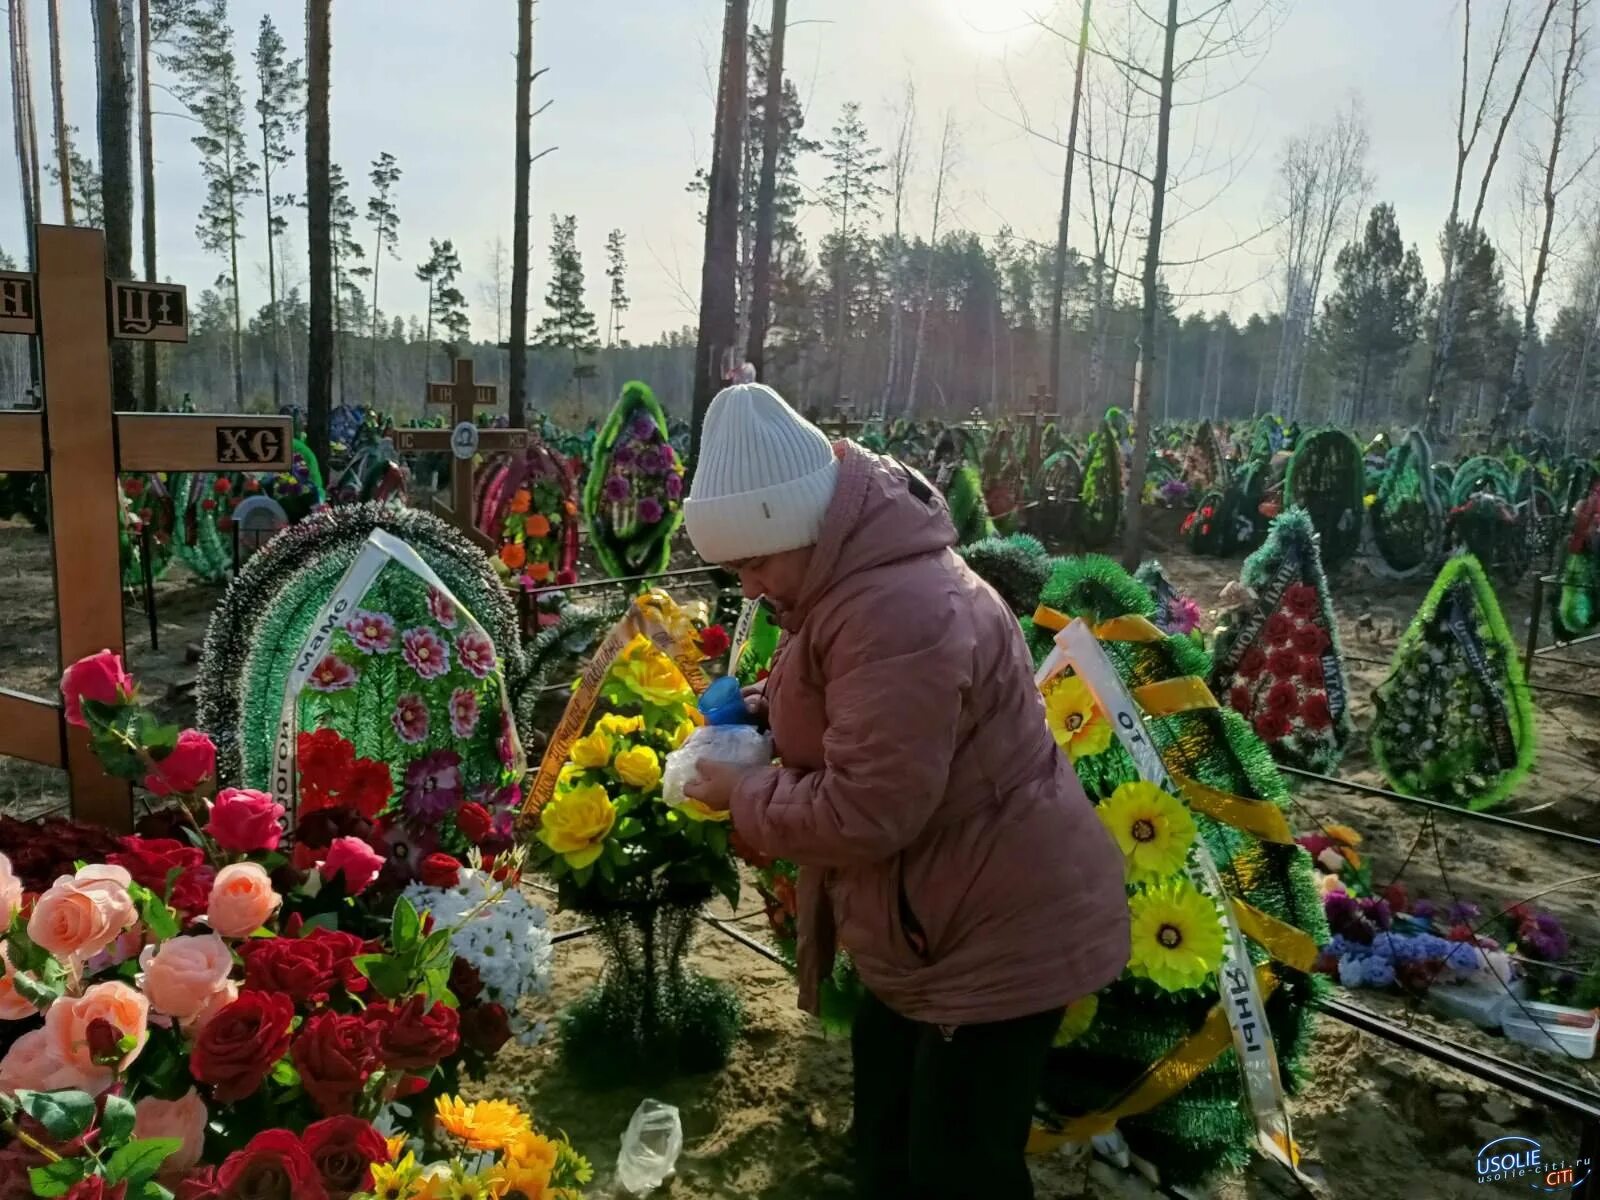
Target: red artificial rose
1278,628
95,1188
245,821
466,985
1239,699
152,861
1301,600
209,505
356,861
368,788
343,1150
1461,933
325,761
1253,661
417,1035
440,871
238,1046
1315,712
200,1183
1188,523
485,1027
714,641
345,947
274,1166
303,968
1283,663
1397,896
189,764
474,822
222,485
1310,670
1310,639
1272,726
1283,697
100,678
335,1053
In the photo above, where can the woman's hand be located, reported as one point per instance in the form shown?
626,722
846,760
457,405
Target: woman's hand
755,701
715,782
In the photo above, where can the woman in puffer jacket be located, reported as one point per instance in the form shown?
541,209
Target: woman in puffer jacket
943,838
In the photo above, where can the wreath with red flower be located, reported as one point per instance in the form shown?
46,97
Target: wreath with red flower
527,505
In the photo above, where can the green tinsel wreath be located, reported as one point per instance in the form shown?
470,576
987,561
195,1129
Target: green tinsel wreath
1100,497
1015,566
1481,474
1577,610
1453,720
200,543
1325,478
968,511
623,540
1207,1127
1407,517
1207,532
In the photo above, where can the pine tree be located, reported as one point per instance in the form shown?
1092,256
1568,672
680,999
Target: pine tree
570,325
617,273
281,108
201,55
349,269
384,217
850,193
88,202
447,307
1375,313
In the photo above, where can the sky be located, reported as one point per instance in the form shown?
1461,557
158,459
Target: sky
631,91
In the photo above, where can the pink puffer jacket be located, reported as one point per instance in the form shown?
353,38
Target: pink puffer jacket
943,838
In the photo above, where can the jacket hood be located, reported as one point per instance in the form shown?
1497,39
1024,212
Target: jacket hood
882,512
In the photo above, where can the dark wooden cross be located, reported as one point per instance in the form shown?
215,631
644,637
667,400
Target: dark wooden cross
464,441
83,444
1040,403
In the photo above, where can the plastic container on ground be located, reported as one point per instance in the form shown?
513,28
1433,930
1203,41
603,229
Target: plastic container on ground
1553,1028
1482,1003
650,1148
741,744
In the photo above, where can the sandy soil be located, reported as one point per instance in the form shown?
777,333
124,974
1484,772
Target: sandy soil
1377,1123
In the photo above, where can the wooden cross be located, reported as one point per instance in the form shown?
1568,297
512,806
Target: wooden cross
1040,402
464,440
83,445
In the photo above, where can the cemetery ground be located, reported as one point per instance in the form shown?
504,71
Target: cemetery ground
1372,1121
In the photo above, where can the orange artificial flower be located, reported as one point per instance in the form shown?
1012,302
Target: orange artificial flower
513,555
568,507
539,571
522,501
537,526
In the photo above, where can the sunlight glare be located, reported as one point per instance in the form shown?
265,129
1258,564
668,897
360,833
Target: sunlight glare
990,26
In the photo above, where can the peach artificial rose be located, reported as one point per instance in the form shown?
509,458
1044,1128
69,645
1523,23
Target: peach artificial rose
116,1003
10,892
183,1119
82,915
182,974
215,1003
12,1006
32,1063
241,900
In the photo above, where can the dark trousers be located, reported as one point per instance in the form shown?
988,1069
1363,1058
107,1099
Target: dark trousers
945,1118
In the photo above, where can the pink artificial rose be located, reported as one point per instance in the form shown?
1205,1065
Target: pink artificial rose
68,1021
10,893
359,863
183,1119
100,678
183,973
215,1003
191,762
241,900
244,821
81,915
32,1063
12,1005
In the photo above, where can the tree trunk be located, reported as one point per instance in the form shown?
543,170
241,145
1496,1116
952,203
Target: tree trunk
1133,545
238,304
272,270
319,227
116,178
519,219
1058,284
58,110
19,122
767,193
149,398
29,110
718,304
372,379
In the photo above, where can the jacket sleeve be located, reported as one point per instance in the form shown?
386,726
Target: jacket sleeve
894,686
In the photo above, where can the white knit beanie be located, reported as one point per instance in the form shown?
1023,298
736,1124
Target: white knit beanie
763,480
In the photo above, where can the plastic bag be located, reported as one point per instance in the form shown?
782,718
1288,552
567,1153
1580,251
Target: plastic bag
741,744
650,1148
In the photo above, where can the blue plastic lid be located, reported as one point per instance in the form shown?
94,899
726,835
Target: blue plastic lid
723,703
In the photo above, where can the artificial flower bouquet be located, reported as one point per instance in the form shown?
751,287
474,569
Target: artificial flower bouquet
527,505
633,496
220,987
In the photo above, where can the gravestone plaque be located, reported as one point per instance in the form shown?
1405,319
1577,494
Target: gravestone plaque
258,518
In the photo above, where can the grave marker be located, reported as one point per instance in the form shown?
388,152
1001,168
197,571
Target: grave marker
83,443
464,441
257,519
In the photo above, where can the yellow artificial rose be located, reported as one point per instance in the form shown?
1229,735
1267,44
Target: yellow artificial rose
680,735
617,726
639,767
592,751
652,676
697,811
576,823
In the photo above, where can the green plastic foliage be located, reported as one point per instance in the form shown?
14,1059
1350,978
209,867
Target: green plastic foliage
1325,478
1453,719
1100,496
1577,611
625,542
1015,566
1205,527
1481,474
1407,516
199,541
1279,663
1206,1128
1206,466
968,511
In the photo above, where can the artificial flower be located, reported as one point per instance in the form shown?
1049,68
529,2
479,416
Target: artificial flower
335,1053
474,822
651,675
441,608
245,821
1300,600
77,918
242,898
537,526
1271,726
183,1119
372,632
345,1151
353,859
425,652
1278,628
99,678
1283,697
1252,662
440,870
410,718
592,752
475,652
274,1164
1283,662
638,767
239,1045
576,823
463,712
185,767
1316,713
1310,639
615,725
1176,936
484,1125
1153,829
182,973
332,674
714,641
10,892
1239,699
432,786
513,555
401,1180
1076,719
1075,1022
522,502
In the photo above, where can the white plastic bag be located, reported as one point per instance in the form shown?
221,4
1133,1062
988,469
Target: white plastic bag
743,744
650,1148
